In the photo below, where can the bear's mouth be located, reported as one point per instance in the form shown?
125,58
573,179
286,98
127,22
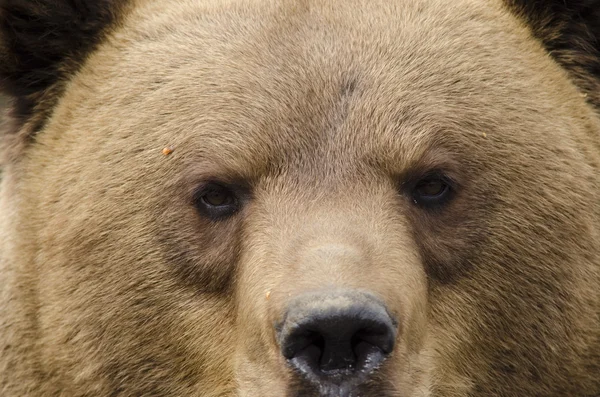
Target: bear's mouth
342,387
332,390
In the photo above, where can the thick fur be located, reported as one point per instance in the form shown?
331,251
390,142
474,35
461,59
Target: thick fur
324,113
42,43
570,31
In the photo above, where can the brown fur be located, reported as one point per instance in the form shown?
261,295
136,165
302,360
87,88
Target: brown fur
113,284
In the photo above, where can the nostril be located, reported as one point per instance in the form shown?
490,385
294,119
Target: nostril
371,345
380,336
302,339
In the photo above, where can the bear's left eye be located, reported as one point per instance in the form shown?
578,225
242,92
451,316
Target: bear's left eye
216,201
432,191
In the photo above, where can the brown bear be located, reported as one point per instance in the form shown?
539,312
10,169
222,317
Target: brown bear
357,198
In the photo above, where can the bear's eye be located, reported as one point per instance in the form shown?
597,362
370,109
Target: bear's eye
216,201
217,198
432,191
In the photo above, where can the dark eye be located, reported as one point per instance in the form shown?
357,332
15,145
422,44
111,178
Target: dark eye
216,201
432,191
217,198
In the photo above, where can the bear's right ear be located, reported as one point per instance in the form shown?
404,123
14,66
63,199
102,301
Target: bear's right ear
570,32
42,43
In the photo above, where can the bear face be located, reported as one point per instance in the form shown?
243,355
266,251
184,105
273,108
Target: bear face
299,199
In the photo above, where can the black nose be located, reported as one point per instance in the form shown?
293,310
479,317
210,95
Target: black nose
337,337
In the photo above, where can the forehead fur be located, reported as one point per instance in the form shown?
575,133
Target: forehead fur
303,80
427,34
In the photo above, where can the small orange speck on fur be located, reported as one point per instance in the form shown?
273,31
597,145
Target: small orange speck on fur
484,134
167,151
268,295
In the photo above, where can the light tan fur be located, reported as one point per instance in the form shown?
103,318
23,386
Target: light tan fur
112,284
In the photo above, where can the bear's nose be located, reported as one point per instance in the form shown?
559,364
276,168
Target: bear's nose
336,337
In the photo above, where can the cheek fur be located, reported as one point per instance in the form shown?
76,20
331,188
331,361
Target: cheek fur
203,254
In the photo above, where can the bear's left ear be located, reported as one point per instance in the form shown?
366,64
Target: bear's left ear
43,42
570,31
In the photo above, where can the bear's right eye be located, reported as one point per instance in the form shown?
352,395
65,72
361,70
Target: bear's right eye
432,191
216,201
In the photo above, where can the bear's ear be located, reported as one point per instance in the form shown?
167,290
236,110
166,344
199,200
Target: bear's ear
570,31
43,42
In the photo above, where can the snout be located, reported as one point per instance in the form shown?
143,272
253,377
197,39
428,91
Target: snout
336,339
